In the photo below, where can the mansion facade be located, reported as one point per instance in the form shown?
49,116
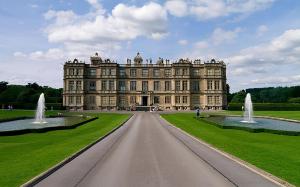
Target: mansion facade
182,85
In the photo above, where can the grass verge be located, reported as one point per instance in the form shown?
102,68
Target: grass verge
276,154
25,156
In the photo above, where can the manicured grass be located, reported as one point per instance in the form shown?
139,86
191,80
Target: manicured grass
277,154
25,156
280,114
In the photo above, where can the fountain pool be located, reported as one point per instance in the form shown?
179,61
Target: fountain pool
30,123
260,123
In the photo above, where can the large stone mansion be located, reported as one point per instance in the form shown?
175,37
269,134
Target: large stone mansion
181,85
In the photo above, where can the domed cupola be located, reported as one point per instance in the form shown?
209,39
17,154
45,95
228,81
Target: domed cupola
138,59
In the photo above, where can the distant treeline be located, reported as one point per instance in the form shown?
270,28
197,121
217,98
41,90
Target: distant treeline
268,95
26,96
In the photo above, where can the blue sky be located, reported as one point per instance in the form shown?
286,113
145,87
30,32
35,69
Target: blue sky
258,39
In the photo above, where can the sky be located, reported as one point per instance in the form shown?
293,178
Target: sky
259,40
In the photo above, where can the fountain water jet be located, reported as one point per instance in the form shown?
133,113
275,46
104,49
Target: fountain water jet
40,111
248,113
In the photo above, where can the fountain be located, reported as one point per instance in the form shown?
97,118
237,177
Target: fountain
40,111
248,113
260,124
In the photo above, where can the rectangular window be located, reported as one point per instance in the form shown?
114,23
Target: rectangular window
104,100
92,72
217,85
77,71
185,99
111,85
167,72
112,71
132,85
71,71
218,72
184,85
156,86
133,72
112,100
156,99
78,85
145,72
177,71
195,100
177,85
92,99
103,85
122,101
92,85
167,85
195,86
209,85
78,100
71,86
132,99
210,72
122,73
177,99
145,86
196,72
71,100
103,71
122,86
168,99
217,100
156,72
210,100
185,71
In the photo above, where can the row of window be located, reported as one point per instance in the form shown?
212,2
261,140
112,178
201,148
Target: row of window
111,100
158,99
145,72
213,72
109,85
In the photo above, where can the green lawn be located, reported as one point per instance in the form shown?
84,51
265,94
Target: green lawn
277,154
25,156
280,114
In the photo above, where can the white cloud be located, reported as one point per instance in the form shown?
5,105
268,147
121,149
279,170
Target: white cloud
220,36
207,48
273,80
19,54
283,49
208,9
124,23
177,8
270,64
261,30
79,36
34,6
182,42
97,6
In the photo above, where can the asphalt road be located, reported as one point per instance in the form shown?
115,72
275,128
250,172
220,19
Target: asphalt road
147,151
